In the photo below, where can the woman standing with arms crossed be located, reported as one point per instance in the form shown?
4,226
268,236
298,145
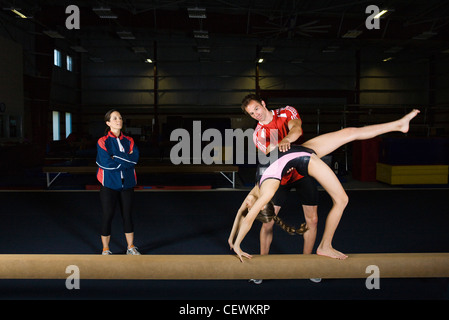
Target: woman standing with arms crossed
116,157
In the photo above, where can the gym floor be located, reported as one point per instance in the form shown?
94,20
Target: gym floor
381,220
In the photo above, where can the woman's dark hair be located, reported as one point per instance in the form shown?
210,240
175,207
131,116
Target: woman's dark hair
107,117
267,214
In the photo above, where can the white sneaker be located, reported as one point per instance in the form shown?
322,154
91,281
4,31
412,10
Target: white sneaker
106,253
133,251
256,281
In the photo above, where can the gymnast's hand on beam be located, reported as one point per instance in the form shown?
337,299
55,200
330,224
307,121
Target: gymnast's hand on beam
241,254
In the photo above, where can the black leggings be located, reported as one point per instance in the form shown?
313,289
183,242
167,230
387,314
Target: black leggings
109,199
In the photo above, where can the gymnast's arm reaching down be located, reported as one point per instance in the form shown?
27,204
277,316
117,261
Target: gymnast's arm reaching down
254,202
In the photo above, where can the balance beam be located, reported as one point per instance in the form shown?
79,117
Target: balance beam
208,267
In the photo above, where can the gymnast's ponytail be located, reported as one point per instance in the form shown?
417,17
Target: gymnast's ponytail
290,230
267,214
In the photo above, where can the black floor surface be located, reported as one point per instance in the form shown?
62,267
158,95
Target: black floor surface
67,222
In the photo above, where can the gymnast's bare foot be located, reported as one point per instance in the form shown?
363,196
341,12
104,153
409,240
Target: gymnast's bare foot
404,122
330,252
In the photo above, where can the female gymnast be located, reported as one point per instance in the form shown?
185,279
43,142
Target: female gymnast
306,160
116,157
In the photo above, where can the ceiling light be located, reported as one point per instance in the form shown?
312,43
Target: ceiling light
105,13
197,13
78,49
377,16
331,49
53,34
425,35
149,60
388,59
267,49
393,50
20,14
95,59
200,34
260,60
139,50
352,34
126,35
203,49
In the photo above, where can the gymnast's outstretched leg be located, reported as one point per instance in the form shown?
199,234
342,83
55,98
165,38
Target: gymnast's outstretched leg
324,145
329,142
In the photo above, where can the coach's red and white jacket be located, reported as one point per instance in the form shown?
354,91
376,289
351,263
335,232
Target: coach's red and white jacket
116,158
274,132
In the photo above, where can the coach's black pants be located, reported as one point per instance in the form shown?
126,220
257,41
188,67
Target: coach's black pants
109,201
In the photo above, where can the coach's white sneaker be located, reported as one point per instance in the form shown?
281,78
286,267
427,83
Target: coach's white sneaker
133,251
256,281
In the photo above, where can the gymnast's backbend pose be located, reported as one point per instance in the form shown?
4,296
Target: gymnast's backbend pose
306,160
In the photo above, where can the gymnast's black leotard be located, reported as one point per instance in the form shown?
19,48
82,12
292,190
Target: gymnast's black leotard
297,157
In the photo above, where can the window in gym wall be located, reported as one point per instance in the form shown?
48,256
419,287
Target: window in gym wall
69,63
13,127
56,129
68,124
57,58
